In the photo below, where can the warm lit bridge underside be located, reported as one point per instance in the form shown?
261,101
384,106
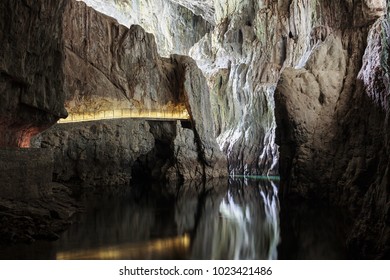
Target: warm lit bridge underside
127,113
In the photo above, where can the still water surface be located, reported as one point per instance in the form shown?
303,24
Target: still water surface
230,219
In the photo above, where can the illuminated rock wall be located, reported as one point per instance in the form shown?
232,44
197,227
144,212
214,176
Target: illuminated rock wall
114,72
176,27
109,66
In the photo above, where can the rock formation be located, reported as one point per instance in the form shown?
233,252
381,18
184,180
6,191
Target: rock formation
241,59
31,77
302,68
332,120
204,8
109,66
32,96
241,79
31,99
26,221
26,174
176,27
98,154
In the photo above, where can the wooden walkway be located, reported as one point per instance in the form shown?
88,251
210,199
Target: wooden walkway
126,113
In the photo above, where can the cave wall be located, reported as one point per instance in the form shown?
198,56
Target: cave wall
109,66
25,174
176,27
31,94
240,76
241,59
31,100
319,77
96,154
31,76
332,121
330,105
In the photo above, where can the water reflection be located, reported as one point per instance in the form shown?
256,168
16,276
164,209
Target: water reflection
158,247
312,231
235,219
242,223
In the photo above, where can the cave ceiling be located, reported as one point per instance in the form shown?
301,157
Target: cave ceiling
204,8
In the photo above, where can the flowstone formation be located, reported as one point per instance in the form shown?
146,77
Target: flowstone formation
241,59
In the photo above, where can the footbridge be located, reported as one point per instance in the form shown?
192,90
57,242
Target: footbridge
163,115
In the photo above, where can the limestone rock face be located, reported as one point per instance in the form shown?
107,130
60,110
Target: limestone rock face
31,99
307,99
244,54
26,174
204,8
241,59
332,121
177,25
109,66
108,155
189,164
241,77
96,153
197,98
31,76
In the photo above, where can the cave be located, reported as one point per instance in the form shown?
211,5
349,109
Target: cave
177,129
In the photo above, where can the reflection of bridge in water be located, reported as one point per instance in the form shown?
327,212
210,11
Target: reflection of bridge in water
127,113
140,250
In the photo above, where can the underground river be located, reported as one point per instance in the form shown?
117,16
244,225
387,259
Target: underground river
235,218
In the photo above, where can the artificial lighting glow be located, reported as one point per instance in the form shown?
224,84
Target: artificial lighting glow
174,114
129,251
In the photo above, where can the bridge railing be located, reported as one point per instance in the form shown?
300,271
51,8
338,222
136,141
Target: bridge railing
127,113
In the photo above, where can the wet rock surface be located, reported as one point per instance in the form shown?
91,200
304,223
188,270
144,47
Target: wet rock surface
241,63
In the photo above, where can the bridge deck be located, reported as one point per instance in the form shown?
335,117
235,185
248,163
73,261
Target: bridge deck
127,114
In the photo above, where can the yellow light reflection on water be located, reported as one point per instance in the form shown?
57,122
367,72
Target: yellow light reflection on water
180,244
